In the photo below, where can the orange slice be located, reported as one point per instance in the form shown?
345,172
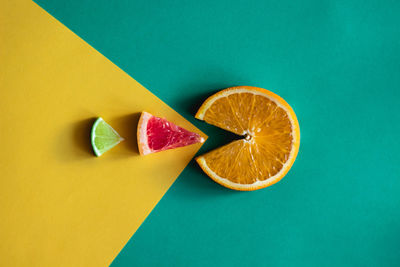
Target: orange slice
271,138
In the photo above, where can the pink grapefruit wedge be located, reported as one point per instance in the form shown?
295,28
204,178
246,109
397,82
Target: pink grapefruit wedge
156,134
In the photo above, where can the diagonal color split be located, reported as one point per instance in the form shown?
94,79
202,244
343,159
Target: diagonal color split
60,205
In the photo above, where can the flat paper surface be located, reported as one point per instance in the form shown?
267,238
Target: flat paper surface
59,204
336,62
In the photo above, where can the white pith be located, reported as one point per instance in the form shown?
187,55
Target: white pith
143,133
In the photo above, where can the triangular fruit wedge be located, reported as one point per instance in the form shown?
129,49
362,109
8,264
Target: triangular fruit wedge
156,134
103,137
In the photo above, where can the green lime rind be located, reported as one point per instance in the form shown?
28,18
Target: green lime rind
103,137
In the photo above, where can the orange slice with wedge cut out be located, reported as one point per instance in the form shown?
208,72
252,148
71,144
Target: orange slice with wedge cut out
271,138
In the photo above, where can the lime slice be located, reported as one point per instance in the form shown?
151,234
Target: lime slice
103,137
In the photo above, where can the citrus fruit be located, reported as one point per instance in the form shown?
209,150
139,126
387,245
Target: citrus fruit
103,137
156,134
271,138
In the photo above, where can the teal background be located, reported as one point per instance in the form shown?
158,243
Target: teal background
336,62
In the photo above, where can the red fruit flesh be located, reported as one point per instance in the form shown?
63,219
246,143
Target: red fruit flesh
163,135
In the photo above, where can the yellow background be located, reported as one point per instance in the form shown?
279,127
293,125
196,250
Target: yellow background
60,205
